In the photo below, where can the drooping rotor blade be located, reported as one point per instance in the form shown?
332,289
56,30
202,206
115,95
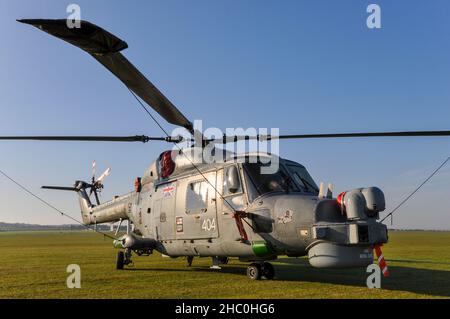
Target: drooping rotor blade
105,48
60,188
136,138
232,139
104,175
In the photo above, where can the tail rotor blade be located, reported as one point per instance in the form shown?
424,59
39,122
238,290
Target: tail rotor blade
93,171
104,175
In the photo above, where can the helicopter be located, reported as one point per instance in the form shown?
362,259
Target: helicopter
184,206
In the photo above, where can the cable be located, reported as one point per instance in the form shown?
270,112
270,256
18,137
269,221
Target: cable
148,112
415,191
53,207
176,145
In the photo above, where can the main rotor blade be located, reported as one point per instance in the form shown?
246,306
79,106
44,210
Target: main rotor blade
105,48
136,138
232,139
60,188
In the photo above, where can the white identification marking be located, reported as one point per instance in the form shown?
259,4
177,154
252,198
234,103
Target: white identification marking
209,224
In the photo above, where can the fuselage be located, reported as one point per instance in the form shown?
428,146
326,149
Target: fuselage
192,212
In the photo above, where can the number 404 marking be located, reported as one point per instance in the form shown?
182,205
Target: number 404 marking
209,224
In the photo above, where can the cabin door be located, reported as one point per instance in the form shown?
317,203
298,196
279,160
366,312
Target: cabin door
164,209
198,219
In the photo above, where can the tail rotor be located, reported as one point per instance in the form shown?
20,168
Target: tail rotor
97,184
95,187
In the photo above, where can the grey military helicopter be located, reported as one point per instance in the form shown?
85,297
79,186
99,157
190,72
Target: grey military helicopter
185,207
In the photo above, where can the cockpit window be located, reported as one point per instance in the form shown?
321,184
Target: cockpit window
302,177
267,183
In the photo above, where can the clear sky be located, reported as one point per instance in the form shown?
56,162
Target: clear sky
301,66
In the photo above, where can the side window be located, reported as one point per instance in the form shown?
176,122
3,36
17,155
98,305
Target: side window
227,176
197,197
232,188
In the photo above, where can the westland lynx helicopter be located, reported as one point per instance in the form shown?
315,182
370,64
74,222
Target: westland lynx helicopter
185,207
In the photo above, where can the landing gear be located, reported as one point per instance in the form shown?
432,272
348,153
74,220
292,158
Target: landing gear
189,260
254,271
120,260
268,271
123,259
215,263
257,270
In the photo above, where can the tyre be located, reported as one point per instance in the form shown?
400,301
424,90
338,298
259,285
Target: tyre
268,271
254,271
120,260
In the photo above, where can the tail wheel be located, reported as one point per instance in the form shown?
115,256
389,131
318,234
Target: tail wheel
120,260
268,271
254,271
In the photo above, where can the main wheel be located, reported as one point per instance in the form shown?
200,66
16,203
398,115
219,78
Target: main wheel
254,271
268,271
120,260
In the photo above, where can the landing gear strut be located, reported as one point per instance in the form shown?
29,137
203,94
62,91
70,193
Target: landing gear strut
123,259
268,271
216,263
257,270
120,260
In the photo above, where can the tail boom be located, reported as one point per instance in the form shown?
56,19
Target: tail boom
109,212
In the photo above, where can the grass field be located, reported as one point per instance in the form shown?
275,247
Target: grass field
33,265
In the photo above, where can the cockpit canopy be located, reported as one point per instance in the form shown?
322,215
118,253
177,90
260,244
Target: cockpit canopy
290,177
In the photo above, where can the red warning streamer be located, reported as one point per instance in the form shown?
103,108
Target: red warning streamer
238,216
381,261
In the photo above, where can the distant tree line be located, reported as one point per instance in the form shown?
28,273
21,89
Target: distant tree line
4,227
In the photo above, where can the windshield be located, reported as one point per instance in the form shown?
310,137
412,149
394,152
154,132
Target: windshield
302,177
267,183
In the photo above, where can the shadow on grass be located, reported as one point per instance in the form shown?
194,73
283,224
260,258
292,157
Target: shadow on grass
421,281
418,261
236,270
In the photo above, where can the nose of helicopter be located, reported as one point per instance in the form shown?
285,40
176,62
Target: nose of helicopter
318,227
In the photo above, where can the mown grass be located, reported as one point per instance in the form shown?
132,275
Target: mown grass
33,265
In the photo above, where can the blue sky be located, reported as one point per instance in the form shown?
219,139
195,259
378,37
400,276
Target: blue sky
301,66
